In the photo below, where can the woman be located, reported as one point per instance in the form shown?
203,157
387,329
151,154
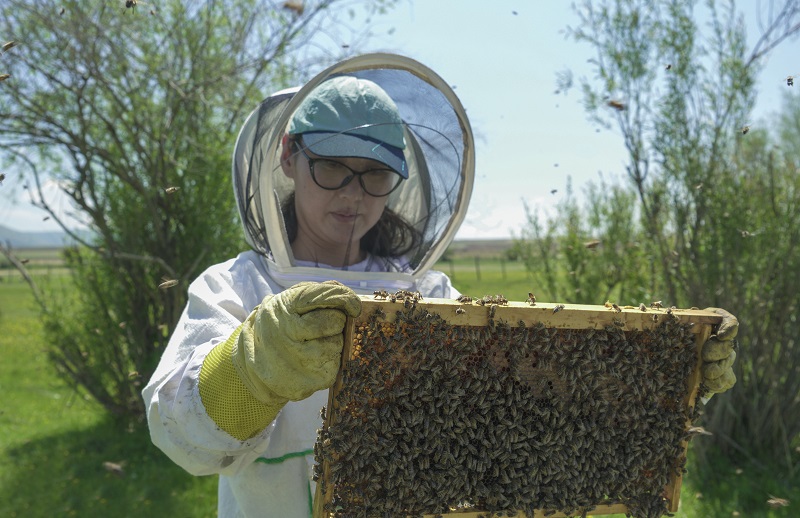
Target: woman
359,179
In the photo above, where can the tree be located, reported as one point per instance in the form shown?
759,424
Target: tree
134,111
714,207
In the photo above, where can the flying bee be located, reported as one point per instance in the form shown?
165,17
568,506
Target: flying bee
617,105
2,177
558,308
296,6
531,299
745,129
668,66
8,46
656,304
790,80
171,190
3,77
775,502
167,283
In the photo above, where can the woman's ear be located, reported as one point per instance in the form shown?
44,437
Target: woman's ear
288,158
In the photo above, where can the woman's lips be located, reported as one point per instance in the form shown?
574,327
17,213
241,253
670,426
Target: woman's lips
345,217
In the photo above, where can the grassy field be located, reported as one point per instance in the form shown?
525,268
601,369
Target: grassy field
54,443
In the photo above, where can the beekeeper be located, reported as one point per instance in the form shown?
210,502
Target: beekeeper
355,182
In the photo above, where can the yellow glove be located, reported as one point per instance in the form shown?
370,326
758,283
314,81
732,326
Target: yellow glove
288,348
719,354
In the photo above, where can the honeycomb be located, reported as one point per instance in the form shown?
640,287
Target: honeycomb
435,414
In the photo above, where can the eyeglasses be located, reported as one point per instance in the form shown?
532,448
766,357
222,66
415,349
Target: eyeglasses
332,175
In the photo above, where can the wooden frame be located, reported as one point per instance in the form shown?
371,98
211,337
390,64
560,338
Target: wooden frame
490,313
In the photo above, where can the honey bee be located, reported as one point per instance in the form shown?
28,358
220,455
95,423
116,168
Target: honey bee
460,311
8,46
381,294
790,80
642,307
3,77
131,4
531,299
745,129
558,308
464,299
668,66
656,304
295,6
167,283
617,105
616,308
775,502
592,244
171,190
2,177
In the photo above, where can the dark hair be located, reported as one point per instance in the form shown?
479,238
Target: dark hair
391,236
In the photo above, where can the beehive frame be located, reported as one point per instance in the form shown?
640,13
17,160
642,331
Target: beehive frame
570,331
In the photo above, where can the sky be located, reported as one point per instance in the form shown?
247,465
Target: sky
502,58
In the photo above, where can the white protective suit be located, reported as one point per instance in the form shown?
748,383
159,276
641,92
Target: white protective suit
270,474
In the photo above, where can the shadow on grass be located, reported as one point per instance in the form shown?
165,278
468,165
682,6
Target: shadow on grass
65,475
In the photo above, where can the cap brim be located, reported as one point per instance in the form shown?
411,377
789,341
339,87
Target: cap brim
346,145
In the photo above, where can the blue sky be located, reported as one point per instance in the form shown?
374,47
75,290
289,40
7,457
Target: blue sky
502,58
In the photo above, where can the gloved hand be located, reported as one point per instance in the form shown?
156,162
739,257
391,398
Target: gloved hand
288,348
294,345
719,354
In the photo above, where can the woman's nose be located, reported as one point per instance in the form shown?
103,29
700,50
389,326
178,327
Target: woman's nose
353,189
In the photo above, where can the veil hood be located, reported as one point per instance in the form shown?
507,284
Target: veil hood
439,153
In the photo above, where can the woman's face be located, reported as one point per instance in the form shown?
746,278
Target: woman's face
329,221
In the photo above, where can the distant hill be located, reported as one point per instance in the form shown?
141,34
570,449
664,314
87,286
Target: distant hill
17,239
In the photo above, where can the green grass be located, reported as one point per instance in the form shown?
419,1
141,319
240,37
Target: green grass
488,276
53,443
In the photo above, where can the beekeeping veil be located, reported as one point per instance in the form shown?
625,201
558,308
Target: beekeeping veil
439,154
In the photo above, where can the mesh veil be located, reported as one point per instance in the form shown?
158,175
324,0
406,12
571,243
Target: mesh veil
439,152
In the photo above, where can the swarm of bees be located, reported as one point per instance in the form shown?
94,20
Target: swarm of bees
408,298
435,418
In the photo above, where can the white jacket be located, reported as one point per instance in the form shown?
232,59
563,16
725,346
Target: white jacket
270,474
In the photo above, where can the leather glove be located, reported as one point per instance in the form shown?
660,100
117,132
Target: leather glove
288,348
719,354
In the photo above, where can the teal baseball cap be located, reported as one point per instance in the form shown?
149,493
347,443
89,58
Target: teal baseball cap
350,117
